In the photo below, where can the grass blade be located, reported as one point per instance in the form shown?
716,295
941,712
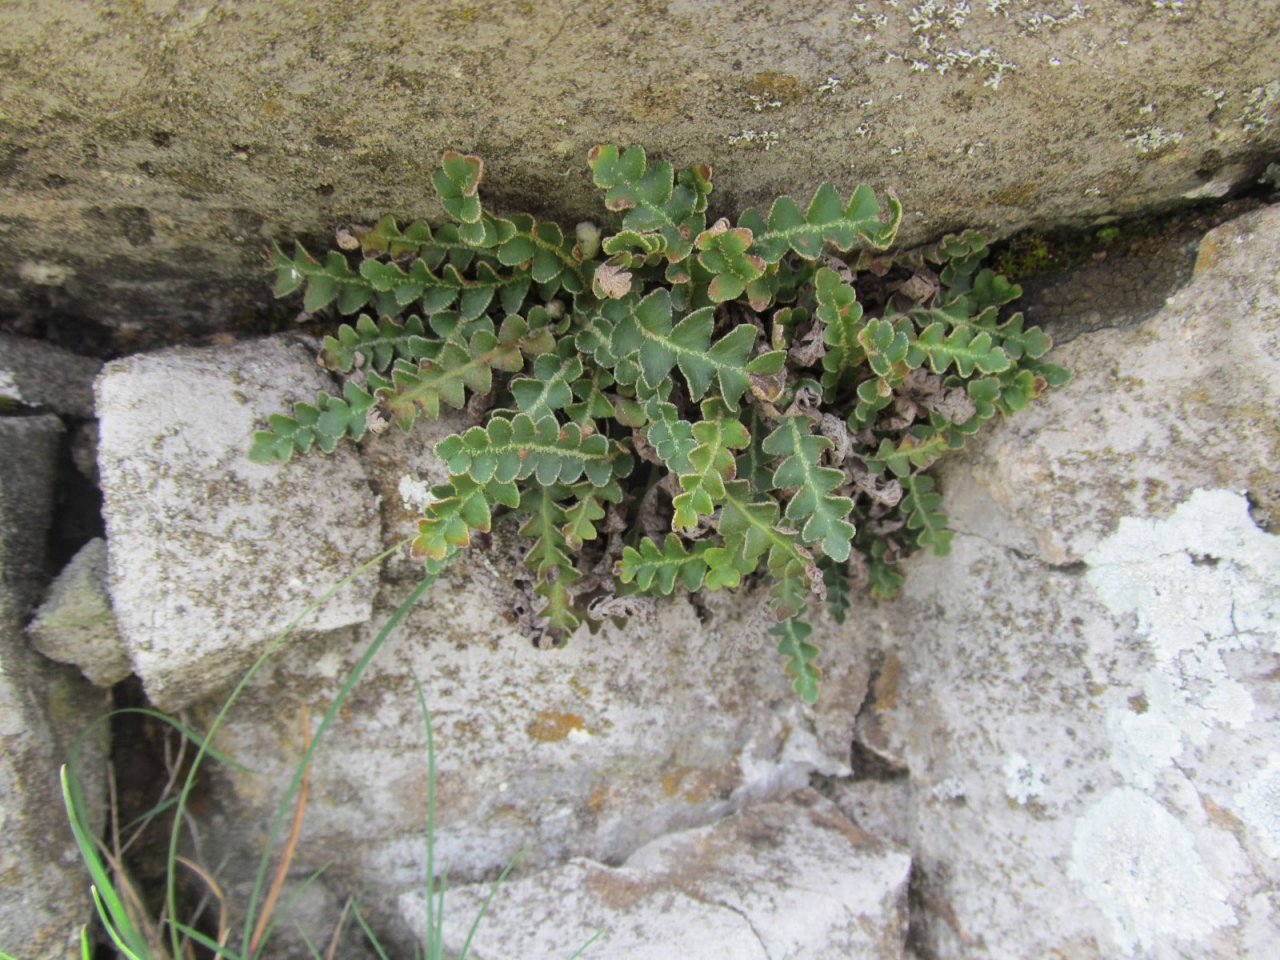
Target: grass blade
116,917
377,946
433,932
221,951
475,924
282,869
356,672
293,898
337,931
583,949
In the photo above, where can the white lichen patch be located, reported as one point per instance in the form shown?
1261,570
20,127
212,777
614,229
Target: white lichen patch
415,493
935,27
766,138
1046,20
951,788
1258,805
1140,866
1200,584
1151,139
1143,743
1023,779
44,274
762,102
1216,94
1257,104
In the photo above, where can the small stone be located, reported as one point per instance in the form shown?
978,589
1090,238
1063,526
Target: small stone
75,624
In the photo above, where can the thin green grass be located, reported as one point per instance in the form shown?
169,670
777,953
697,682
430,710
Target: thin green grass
136,936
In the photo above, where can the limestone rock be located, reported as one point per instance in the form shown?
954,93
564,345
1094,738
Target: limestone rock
1086,700
75,624
40,375
791,878
1186,400
999,114
590,750
43,708
210,555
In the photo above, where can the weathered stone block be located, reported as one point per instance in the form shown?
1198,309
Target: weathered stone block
792,878
43,708
1086,699
590,750
210,555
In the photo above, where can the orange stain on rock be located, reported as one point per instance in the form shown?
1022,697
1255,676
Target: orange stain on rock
549,725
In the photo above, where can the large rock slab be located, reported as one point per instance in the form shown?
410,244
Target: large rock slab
1083,693
210,555
148,204
43,708
590,750
792,878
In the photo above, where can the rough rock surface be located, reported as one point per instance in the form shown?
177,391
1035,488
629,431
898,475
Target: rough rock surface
43,708
149,151
590,750
792,878
210,555
1084,691
39,375
74,623
1186,400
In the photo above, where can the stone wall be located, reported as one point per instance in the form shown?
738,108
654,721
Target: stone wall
1068,725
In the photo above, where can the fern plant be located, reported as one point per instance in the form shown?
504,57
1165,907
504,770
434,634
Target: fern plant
671,404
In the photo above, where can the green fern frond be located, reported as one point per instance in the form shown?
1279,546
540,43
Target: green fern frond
646,333
519,448
563,349
821,512
551,258
750,529
549,556
827,220
650,199
841,318
375,344
793,644
920,504
654,568
919,450
323,424
711,464
550,387
445,378
835,577
457,183
457,508
969,352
